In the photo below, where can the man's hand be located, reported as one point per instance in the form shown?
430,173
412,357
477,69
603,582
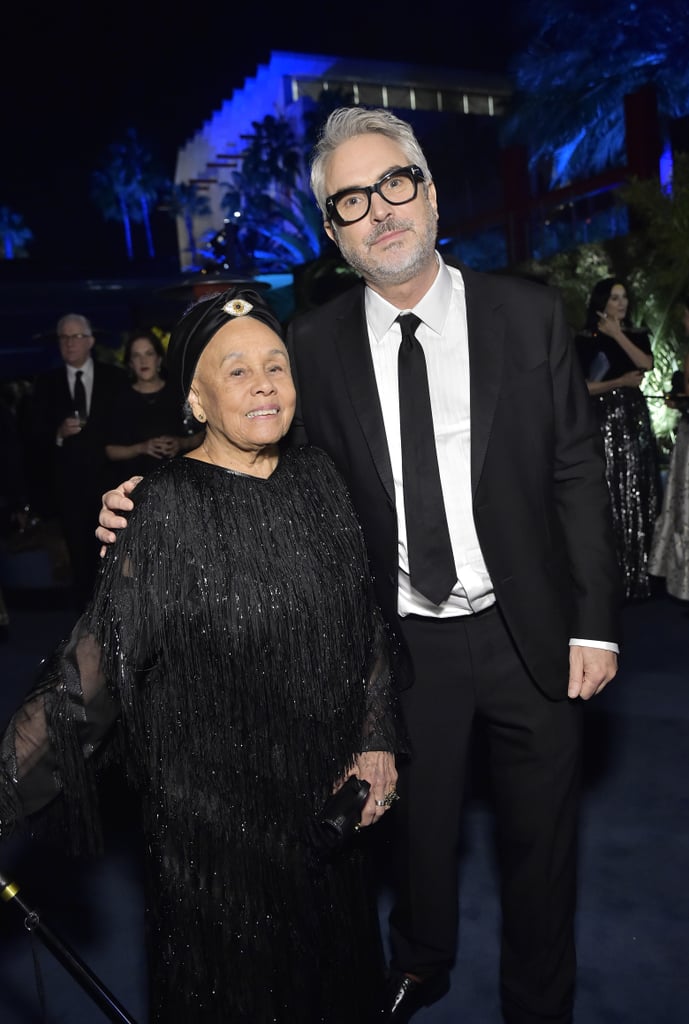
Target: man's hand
115,501
69,427
590,670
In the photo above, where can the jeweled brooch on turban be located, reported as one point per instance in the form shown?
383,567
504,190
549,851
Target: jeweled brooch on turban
237,307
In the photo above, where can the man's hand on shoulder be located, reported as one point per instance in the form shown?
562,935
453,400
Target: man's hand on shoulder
590,670
115,501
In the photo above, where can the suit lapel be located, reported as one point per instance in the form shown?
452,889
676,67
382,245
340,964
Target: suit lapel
354,351
486,331
486,356
65,395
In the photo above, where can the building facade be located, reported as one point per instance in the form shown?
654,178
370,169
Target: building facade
455,114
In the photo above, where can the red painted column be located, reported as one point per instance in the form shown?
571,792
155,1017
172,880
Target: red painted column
642,131
514,163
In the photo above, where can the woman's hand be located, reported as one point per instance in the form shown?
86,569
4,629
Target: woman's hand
163,447
171,445
378,768
632,379
608,325
613,328
152,447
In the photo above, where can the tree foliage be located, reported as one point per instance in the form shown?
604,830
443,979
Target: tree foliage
126,186
582,59
271,218
187,201
15,235
653,260
659,251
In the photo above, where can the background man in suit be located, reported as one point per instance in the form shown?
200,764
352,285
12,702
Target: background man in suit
524,620
70,409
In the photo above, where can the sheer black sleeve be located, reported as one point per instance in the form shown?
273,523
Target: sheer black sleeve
382,726
48,745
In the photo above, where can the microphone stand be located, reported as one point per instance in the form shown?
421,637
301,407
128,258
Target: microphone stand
92,985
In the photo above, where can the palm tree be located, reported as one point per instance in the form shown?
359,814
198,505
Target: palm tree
271,219
126,187
14,233
185,200
271,216
272,158
113,192
659,253
580,63
147,181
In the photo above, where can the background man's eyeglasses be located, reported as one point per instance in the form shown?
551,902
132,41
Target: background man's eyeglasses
74,337
395,187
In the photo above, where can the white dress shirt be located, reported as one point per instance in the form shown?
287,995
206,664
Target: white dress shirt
443,335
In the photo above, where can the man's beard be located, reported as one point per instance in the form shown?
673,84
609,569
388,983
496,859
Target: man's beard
388,271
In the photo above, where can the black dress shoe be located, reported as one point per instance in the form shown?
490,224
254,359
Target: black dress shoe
407,995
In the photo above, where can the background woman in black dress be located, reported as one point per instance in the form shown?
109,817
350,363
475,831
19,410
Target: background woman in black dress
148,422
614,356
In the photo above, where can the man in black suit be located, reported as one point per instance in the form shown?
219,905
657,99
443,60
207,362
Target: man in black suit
530,624
70,412
527,626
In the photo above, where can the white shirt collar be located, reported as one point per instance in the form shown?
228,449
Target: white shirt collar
87,369
433,308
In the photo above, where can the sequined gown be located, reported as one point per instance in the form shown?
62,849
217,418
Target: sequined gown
632,467
670,549
233,641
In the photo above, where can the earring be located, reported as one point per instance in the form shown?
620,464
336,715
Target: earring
200,416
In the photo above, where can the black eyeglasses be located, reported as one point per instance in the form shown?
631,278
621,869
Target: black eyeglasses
396,187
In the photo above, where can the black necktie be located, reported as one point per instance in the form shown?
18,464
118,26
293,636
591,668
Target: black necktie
79,395
431,563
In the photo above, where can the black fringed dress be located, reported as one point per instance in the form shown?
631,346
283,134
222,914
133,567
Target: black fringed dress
631,456
234,640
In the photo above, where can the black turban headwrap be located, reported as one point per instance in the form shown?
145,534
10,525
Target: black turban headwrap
202,320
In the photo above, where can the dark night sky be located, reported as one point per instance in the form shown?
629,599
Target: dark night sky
78,80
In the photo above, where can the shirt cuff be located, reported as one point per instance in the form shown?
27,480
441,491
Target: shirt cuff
603,645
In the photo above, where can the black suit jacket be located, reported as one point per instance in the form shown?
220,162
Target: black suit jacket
540,498
79,465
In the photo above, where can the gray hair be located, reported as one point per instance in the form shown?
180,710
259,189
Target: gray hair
74,316
346,123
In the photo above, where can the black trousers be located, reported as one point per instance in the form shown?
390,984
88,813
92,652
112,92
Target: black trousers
465,668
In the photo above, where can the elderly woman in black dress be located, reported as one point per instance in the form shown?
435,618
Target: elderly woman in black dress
233,646
615,355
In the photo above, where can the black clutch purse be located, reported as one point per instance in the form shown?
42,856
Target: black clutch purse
339,816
